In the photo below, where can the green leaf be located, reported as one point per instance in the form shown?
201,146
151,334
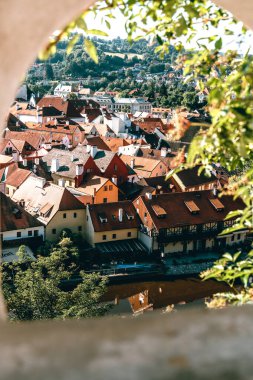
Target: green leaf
72,43
218,44
91,50
97,32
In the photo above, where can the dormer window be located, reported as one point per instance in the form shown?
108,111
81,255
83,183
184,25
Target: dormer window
159,211
129,217
17,213
192,207
216,203
102,217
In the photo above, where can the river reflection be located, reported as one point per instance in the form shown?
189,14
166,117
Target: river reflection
147,296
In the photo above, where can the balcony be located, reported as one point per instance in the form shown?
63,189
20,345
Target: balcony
201,232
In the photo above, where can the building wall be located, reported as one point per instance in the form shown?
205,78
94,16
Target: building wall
235,238
110,195
93,237
9,190
146,240
121,172
160,169
12,235
143,213
206,186
59,223
120,235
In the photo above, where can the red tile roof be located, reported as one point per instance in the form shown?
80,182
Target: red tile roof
178,213
10,221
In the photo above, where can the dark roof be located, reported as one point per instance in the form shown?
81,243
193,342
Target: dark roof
50,111
178,213
14,217
91,113
12,122
110,212
190,177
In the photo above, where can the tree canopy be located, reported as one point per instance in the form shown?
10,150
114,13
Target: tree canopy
36,289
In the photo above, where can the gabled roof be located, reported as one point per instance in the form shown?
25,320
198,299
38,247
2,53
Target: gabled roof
142,166
110,213
33,138
15,124
113,143
91,113
93,184
67,161
13,217
37,196
190,177
103,159
98,142
15,176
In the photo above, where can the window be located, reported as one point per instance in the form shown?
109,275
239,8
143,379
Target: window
105,188
104,200
74,215
209,226
79,228
115,167
129,234
18,234
54,231
104,237
238,236
87,218
30,233
110,187
145,214
35,233
114,236
233,238
64,215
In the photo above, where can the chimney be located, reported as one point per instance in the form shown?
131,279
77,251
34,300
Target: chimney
115,180
61,182
40,182
215,191
55,122
149,196
17,124
72,158
24,161
79,169
22,203
93,151
163,152
67,122
37,161
132,163
88,148
120,214
55,165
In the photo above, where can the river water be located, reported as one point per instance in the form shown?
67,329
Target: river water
139,297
